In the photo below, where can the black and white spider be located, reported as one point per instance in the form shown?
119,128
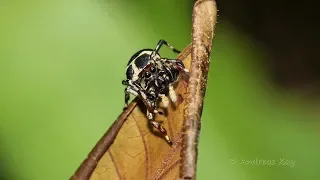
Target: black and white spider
149,76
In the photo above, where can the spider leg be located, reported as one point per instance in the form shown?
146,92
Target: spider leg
150,103
130,89
159,45
157,125
161,42
148,100
177,64
126,97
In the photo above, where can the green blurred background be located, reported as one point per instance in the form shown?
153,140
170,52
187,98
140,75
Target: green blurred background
62,63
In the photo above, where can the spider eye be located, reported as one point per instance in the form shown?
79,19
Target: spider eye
150,97
147,74
152,69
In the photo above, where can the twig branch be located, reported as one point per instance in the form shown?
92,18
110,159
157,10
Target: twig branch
203,25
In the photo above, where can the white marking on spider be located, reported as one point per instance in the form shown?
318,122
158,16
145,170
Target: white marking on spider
172,94
164,100
136,72
149,115
132,91
144,96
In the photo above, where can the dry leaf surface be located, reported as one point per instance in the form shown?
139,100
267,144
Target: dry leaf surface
137,152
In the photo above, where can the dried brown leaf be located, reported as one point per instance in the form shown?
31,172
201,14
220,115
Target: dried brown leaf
137,152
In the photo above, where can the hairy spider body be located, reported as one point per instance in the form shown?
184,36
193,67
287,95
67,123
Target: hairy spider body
149,76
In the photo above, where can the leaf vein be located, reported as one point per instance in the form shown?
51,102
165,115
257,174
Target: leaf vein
115,164
145,147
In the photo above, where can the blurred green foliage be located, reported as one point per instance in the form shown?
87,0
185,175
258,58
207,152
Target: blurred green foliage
62,63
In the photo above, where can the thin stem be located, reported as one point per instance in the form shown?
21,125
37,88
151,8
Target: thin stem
203,25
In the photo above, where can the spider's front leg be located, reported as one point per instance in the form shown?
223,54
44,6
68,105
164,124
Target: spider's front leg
163,42
157,125
159,45
148,100
151,103
175,65
130,89
178,65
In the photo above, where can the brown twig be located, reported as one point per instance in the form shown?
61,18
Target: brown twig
88,165
204,20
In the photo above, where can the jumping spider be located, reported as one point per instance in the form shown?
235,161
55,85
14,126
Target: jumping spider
149,76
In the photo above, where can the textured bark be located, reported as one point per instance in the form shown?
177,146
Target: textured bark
203,25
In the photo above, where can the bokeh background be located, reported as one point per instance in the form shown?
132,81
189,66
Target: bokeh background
62,62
